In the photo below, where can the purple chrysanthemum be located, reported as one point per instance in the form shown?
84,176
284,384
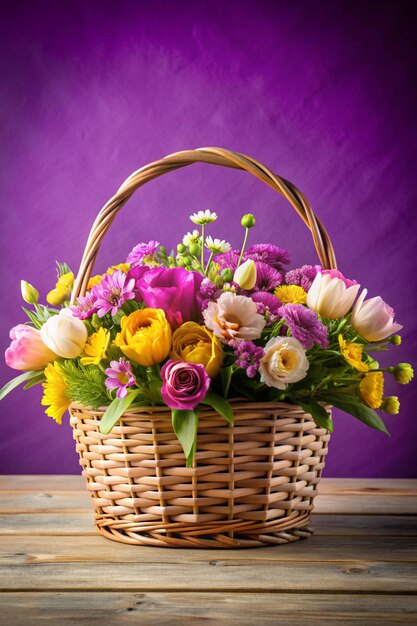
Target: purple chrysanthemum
85,306
304,325
207,288
268,253
141,251
112,292
248,357
302,276
228,259
267,305
120,377
267,278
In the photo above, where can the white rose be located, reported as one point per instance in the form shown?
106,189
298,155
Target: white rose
284,362
64,334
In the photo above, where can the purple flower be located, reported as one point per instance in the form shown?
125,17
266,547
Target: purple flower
112,292
267,278
141,251
248,357
174,290
267,305
184,384
304,325
207,289
120,377
302,276
85,306
268,253
228,259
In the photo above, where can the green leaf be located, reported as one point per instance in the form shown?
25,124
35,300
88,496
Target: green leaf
185,425
354,407
220,405
117,407
33,318
226,376
317,412
35,381
15,382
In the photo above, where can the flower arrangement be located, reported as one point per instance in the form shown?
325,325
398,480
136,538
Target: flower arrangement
202,325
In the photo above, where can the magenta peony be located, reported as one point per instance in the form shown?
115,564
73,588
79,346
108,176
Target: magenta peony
184,384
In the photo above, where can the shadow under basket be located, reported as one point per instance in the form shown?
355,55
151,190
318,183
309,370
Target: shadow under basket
253,483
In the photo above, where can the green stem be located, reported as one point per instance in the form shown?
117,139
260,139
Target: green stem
243,247
209,263
202,246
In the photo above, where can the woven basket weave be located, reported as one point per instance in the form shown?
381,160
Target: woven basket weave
253,483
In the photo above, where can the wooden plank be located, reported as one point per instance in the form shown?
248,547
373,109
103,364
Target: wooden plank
80,501
168,574
76,524
42,482
27,550
200,609
368,486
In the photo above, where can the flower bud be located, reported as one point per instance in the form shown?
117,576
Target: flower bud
227,275
245,275
403,373
181,262
391,405
395,340
29,293
194,249
248,220
163,250
64,334
181,248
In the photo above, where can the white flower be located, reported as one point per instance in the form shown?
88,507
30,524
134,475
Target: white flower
332,295
284,362
203,217
218,246
190,238
234,317
64,334
373,319
245,275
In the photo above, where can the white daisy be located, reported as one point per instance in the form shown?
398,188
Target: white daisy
217,246
203,217
190,238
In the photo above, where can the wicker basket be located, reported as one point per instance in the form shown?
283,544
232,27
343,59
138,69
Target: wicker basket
253,483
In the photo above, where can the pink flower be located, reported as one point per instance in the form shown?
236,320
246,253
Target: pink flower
27,350
141,251
175,291
234,318
120,377
373,319
184,384
85,306
112,292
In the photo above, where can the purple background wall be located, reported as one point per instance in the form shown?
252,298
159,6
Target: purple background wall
322,92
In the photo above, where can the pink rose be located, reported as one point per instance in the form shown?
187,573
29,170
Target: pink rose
184,384
174,290
27,350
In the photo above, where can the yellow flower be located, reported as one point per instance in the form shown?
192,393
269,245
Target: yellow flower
55,395
352,353
62,289
96,347
371,389
96,280
124,267
145,337
291,294
196,344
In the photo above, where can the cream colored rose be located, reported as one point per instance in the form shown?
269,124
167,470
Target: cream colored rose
284,362
64,334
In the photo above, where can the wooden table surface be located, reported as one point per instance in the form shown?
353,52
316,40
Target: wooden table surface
360,566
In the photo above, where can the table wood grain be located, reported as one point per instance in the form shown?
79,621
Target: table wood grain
360,566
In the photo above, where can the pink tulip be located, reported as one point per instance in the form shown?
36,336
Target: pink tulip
27,350
373,319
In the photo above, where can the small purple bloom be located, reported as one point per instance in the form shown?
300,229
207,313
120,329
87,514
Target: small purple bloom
268,305
305,325
228,259
207,289
85,306
184,384
112,292
302,276
120,377
267,278
268,253
248,357
141,251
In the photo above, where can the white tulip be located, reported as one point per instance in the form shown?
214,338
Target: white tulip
64,334
373,319
332,295
245,275
284,362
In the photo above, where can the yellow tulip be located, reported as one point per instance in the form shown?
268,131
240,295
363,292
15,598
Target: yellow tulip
196,344
145,337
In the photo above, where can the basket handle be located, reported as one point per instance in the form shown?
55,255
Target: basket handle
215,156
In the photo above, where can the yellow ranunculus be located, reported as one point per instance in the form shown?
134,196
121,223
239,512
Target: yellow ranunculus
196,344
352,353
371,389
62,289
145,337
